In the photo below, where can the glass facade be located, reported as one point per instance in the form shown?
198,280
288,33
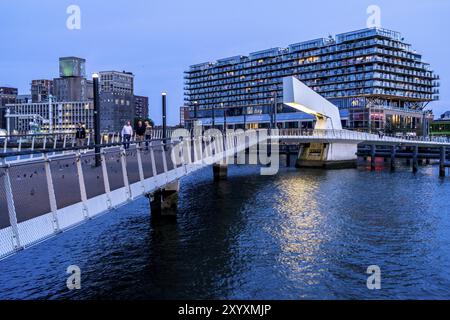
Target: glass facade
364,73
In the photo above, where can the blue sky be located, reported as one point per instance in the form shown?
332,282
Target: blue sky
158,39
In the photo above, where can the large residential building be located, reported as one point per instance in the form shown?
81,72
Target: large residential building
50,117
41,90
141,107
72,84
7,95
375,78
116,99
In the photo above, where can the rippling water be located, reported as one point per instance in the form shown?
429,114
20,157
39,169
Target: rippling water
303,234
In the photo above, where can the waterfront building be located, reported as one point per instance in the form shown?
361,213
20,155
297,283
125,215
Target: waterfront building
41,90
7,95
116,99
375,78
141,107
72,84
50,116
441,126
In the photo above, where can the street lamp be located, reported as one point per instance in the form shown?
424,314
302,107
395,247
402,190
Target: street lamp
97,140
213,116
164,116
224,117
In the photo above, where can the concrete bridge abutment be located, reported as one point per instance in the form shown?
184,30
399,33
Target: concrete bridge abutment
328,156
164,201
220,171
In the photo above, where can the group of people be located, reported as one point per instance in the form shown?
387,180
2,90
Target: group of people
143,133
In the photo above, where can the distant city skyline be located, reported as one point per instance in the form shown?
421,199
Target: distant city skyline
159,40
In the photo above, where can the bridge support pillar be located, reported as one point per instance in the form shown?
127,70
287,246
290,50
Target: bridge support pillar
220,171
442,163
415,166
393,155
373,149
163,202
334,155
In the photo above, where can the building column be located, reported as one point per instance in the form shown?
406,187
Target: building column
163,202
220,171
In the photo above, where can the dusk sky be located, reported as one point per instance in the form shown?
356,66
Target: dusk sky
158,39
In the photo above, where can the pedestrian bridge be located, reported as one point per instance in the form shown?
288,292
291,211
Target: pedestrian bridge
47,190
57,190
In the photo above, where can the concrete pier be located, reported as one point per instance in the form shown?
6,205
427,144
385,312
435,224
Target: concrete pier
373,149
164,202
415,164
393,155
220,171
442,163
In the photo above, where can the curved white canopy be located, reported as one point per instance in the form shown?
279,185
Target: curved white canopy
299,96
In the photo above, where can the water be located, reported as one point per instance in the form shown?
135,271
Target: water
307,234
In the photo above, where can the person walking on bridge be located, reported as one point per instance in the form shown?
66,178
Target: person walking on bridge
140,132
80,135
148,134
127,132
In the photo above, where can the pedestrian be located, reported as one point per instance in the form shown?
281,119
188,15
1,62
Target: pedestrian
140,132
127,132
148,134
80,135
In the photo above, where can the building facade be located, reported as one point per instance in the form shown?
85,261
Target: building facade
48,117
372,75
72,84
116,99
441,126
141,107
184,116
7,95
41,90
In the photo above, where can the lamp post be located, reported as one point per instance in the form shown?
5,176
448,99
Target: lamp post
96,120
224,117
275,111
164,116
213,117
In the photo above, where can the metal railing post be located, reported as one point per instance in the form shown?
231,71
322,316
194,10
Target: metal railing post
82,186
152,158
106,180
140,167
126,182
11,211
51,194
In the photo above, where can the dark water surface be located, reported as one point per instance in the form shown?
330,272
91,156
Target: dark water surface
307,234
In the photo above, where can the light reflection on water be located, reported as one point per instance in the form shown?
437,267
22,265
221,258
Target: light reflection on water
307,234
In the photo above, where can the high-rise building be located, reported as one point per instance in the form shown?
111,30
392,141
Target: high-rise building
372,75
7,95
141,107
41,90
116,99
72,84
